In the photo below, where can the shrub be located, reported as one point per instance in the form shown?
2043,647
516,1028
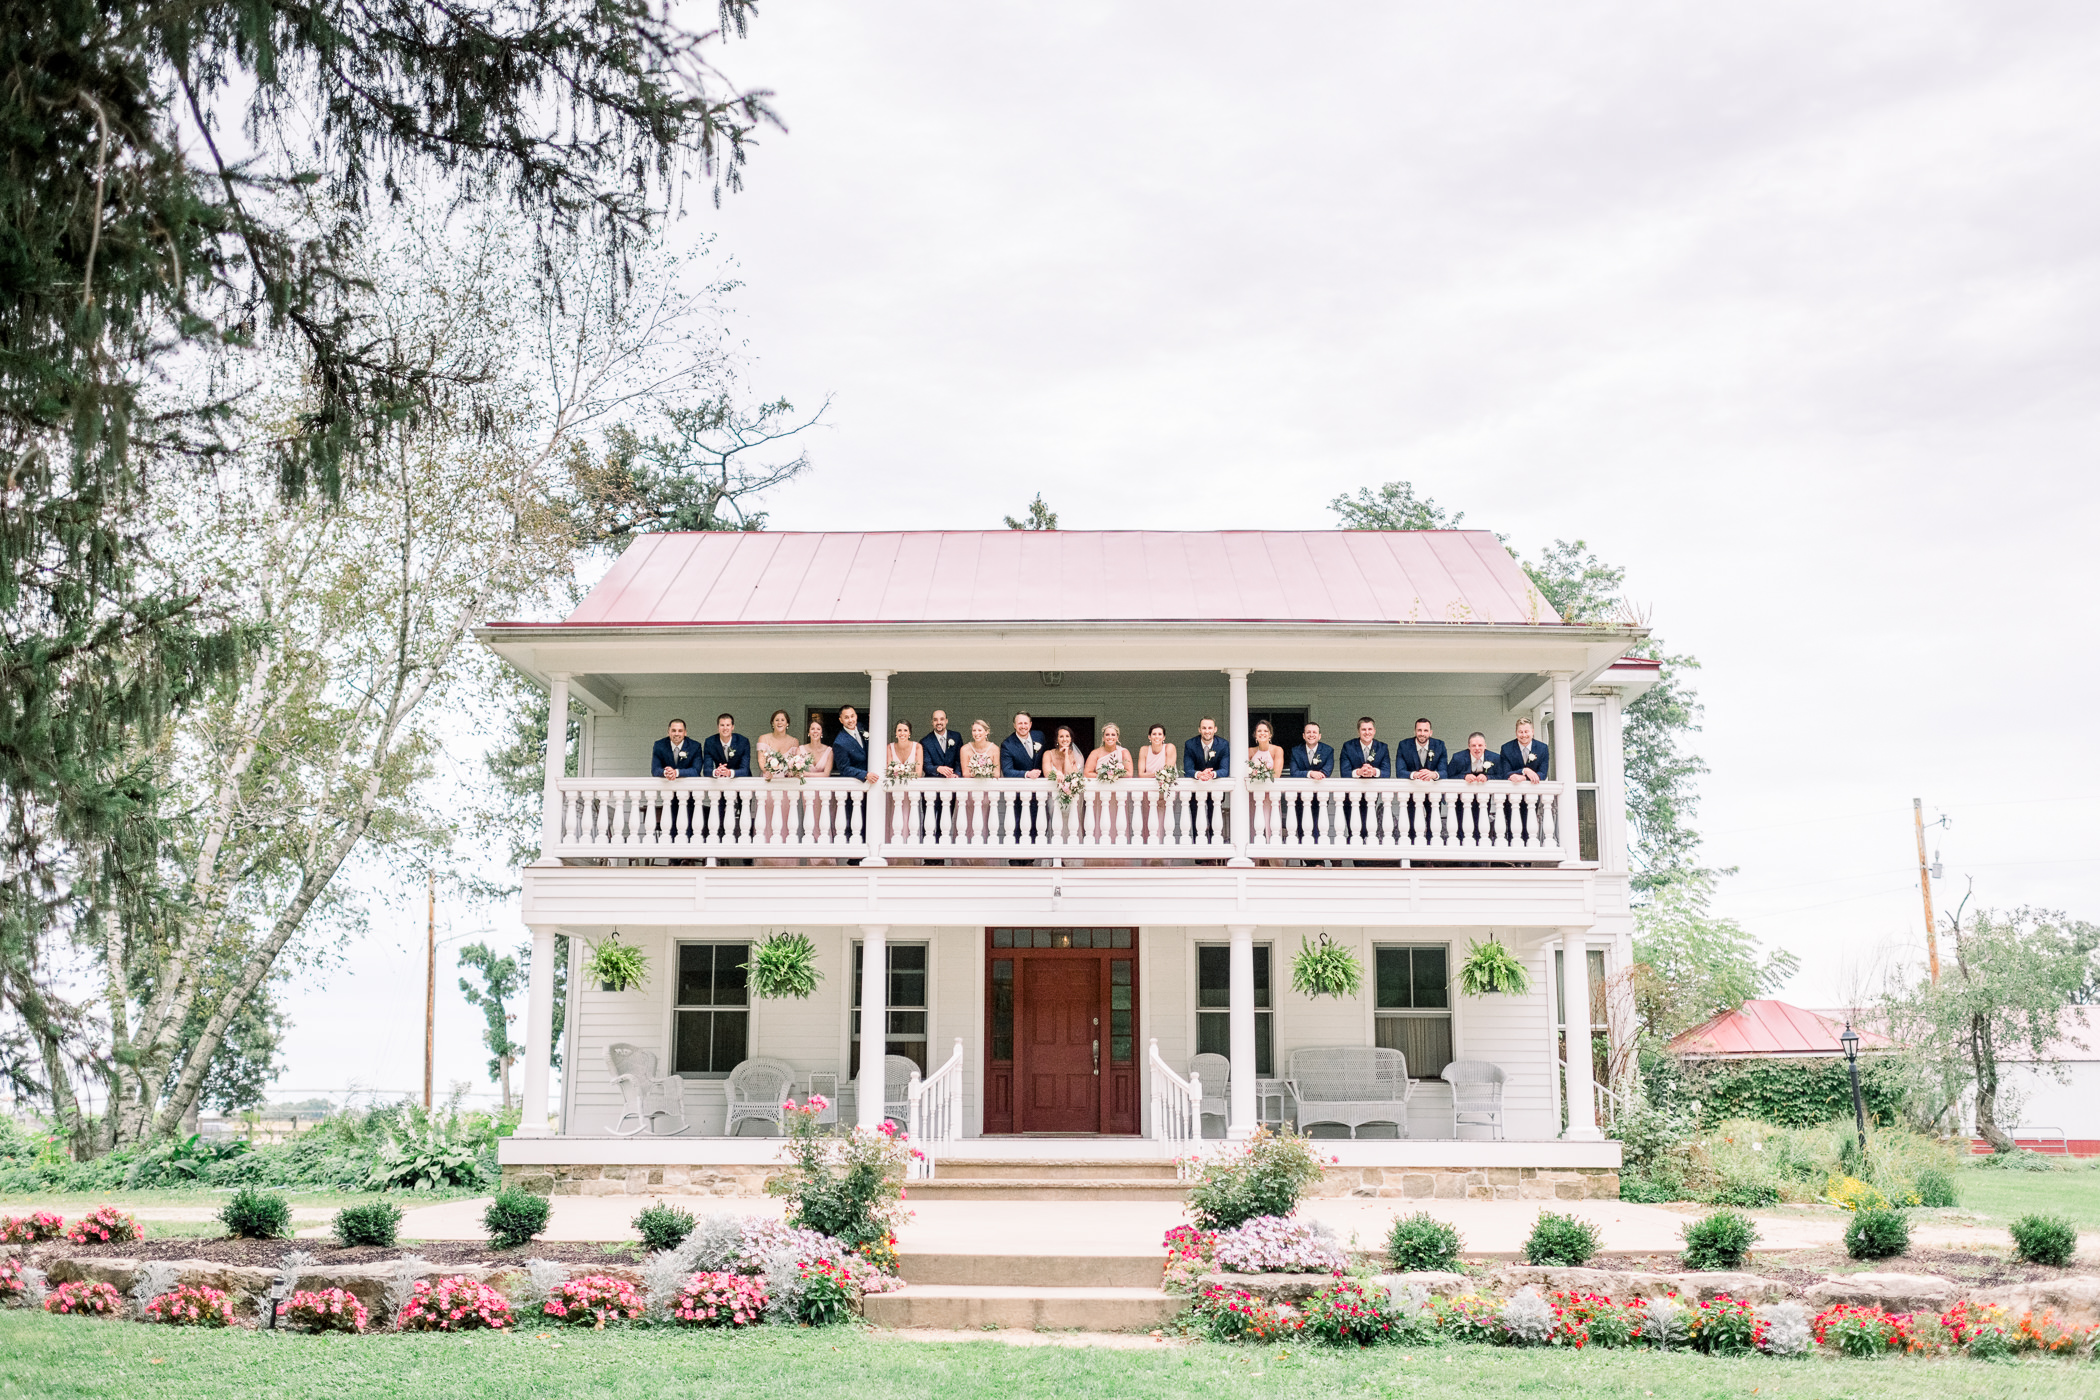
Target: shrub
1855,1194
1753,1194
827,1293
256,1215
1877,1234
1422,1242
1722,1326
1560,1240
34,1228
106,1225
514,1217
1643,1191
595,1299
720,1300
92,1299
192,1305
1721,1240
850,1188
454,1304
328,1310
1234,1315
1267,1245
425,1150
664,1227
374,1223
1343,1314
2044,1239
1935,1187
1264,1176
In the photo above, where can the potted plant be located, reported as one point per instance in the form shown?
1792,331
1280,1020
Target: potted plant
784,965
616,966
1329,970
1491,967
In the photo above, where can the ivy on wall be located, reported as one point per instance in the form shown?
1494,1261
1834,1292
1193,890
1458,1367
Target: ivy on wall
1790,1093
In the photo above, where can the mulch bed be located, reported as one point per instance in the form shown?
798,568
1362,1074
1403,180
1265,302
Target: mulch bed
266,1253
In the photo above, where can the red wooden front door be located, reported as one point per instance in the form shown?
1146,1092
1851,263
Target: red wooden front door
1059,1061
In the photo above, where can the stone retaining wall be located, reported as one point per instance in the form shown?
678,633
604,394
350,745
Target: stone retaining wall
1472,1184
688,1180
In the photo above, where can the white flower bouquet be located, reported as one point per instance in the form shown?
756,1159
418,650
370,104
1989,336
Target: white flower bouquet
981,765
898,774
792,764
1110,768
1065,787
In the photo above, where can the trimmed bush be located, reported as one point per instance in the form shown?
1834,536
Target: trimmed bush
1422,1242
375,1223
1721,1240
664,1227
1936,1188
2044,1239
514,1217
256,1215
1560,1241
1266,1176
1877,1233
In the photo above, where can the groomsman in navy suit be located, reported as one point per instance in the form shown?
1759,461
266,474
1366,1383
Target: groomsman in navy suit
1310,759
849,755
1021,756
1524,761
1475,764
1205,758
1422,760
1365,756
726,754
676,756
943,759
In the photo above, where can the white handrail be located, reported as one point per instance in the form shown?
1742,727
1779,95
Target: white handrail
1176,1102
700,817
933,1112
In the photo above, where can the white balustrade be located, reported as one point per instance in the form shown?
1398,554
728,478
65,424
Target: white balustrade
1176,1102
934,1112
696,817
1021,818
1357,819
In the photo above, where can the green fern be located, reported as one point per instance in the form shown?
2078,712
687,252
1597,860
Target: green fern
1491,967
784,965
617,965
1326,971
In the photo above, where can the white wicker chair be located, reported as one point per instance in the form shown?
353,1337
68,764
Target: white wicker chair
1351,1085
1476,1094
634,1075
757,1088
897,1071
1215,1071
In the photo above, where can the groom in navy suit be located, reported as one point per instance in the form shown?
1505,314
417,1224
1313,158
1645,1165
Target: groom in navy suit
1366,757
942,754
1021,756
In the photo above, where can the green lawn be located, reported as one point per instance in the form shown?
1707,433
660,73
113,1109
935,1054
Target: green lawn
51,1358
80,1202
2005,1196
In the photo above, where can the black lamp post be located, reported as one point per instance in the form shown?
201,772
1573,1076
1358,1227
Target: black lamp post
1850,1040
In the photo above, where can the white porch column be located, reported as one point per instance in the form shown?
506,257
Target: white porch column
539,1033
878,764
1564,763
1239,1118
557,763
874,1021
1575,995
1241,741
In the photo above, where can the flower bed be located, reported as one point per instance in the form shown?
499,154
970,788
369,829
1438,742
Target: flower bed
455,1304
106,1225
594,1300
191,1305
1270,1244
34,1228
720,1300
90,1299
324,1310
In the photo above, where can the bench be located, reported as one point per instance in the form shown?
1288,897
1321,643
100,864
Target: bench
1351,1085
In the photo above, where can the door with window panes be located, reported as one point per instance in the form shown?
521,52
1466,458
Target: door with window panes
1061,1023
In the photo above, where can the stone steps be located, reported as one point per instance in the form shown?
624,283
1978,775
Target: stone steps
1041,1168
976,1306
1017,1179
1034,1270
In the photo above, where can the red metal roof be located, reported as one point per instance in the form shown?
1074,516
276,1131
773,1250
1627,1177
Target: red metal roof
774,577
1774,1028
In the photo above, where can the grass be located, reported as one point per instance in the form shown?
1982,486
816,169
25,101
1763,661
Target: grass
70,1357
301,1197
2004,1196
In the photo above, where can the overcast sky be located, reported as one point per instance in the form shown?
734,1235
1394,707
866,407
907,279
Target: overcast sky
1788,308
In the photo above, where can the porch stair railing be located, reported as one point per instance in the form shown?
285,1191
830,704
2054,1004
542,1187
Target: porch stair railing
1176,1102
933,1113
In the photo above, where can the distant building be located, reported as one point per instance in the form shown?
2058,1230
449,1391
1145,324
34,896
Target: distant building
1763,1029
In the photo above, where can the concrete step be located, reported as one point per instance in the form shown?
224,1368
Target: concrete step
1045,1169
1035,1270
967,1306
945,1188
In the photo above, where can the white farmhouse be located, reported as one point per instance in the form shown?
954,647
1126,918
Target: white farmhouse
1071,982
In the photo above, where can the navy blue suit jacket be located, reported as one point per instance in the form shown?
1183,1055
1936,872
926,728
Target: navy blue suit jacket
1461,765
942,751
1353,758
1513,758
1018,761
1410,760
849,755
737,758
661,758
1300,763
1193,762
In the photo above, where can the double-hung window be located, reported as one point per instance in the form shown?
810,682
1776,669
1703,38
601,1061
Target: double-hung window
711,1024
907,1003
1214,1005
1414,1006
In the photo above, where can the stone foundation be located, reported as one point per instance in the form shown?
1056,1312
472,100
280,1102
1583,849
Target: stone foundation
691,1180
1472,1184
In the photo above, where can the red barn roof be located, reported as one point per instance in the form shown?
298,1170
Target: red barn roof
1772,1029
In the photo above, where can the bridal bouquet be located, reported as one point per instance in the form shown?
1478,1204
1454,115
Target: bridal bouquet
1260,769
897,774
1067,786
981,765
1167,777
792,764
1110,768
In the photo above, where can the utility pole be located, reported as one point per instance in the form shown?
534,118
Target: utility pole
430,987
1932,937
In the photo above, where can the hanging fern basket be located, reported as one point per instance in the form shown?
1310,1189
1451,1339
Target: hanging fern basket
1329,970
1490,967
616,966
784,965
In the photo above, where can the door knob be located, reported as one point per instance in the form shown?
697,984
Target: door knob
1097,1059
